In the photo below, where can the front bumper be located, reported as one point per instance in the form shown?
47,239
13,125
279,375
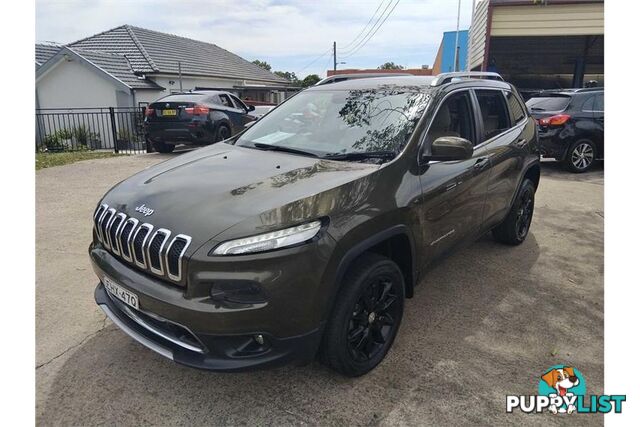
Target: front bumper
211,352
216,310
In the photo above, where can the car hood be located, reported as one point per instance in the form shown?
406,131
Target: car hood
206,191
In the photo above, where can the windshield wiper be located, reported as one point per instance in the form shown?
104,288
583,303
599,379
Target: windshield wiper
271,147
361,155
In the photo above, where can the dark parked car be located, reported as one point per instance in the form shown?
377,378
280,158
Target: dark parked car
307,232
571,126
195,118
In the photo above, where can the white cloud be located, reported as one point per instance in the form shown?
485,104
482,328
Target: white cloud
288,34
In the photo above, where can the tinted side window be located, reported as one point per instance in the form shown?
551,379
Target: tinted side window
599,102
454,118
588,104
226,101
494,112
239,104
515,108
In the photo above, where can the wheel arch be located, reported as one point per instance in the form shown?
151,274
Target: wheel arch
396,243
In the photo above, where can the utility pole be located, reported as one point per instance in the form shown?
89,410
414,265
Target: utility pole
455,57
335,61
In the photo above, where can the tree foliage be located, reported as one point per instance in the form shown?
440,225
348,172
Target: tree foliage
263,64
390,66
310,80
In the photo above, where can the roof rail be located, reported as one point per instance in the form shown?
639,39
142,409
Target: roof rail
448,77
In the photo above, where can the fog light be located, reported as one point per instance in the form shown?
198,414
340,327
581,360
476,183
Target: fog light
259,339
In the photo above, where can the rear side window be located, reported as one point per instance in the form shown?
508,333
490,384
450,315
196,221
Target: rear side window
548,103
515,108
599,102
494,112
226,101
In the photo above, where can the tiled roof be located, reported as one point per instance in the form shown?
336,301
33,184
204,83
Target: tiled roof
44,51
155,52
117,66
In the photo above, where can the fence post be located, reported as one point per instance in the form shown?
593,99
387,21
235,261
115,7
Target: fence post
147,143
114,132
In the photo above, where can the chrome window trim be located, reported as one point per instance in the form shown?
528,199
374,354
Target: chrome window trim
106,241
128,242
115,246
180,256
149,227
167,233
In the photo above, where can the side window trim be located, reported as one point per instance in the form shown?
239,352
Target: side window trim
522,107
423,137
481,124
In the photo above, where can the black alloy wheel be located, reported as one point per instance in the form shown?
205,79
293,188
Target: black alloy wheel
366,316
373,319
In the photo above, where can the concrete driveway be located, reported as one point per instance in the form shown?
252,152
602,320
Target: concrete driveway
486,322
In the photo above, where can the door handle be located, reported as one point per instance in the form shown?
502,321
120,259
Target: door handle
481,162
521,142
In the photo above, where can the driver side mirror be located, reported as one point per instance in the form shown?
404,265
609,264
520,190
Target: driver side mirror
447,148
250,108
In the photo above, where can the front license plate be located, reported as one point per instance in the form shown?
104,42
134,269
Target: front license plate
169,113
121,293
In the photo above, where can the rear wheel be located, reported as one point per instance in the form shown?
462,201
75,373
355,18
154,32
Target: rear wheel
366,316
515,227
163,147
223,133
580,156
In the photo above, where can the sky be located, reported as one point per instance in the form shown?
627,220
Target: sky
294,36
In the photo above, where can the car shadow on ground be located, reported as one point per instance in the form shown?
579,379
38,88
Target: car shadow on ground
473,332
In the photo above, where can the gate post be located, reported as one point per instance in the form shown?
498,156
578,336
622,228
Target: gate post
114,132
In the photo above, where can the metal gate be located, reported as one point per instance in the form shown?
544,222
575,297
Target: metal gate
117,129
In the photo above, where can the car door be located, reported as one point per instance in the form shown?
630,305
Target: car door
234,112
505,137
453,192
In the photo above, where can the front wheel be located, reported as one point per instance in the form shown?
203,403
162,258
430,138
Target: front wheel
515,227
366,316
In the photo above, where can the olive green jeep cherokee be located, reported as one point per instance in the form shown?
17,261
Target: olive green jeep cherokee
304,235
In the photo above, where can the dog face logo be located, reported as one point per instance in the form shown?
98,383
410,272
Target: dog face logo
562,381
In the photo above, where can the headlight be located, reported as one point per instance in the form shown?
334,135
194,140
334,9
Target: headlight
269,241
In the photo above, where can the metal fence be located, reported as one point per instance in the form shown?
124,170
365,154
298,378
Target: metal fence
107,128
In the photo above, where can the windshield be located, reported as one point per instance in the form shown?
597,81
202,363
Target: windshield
340,122
548,103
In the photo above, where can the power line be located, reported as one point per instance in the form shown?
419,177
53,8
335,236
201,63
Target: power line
314,61
370,29
374,33
363,28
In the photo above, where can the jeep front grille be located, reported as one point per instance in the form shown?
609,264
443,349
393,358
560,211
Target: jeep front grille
154,250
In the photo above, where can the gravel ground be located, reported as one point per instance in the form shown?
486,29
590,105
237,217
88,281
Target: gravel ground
485,322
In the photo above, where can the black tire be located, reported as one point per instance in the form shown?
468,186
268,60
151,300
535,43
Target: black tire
368,307
581,156
515,227
223,133
163,147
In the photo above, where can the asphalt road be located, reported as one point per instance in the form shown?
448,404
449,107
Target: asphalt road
485,322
